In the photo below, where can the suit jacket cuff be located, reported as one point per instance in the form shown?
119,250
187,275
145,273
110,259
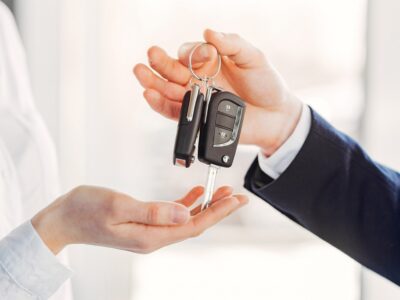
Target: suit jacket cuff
279,192
278,162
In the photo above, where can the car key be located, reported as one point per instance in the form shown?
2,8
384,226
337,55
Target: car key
219,135
188,126
218,116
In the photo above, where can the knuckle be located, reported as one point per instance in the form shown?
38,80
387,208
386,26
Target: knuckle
153,213
165,91
167,66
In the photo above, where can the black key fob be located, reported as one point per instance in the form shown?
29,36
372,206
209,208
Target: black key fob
188,127
220,133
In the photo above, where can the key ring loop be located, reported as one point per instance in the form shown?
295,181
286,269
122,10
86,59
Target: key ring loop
205,78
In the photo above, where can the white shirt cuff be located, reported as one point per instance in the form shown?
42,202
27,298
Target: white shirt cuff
30,264
278,162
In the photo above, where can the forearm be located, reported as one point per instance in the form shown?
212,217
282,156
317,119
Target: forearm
336,191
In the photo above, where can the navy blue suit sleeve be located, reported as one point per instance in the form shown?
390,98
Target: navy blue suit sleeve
333,189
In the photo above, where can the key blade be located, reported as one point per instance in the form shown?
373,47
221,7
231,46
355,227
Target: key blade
211,176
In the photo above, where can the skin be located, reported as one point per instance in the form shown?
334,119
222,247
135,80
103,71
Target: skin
103,217
99,216
272,111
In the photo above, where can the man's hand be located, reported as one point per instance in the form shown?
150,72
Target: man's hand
272,110
99,216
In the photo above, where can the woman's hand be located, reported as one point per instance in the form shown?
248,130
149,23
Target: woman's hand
99,216
272,110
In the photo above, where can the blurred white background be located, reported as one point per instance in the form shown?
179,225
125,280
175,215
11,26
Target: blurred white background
340,56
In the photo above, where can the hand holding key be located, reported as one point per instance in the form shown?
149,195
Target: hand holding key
272,110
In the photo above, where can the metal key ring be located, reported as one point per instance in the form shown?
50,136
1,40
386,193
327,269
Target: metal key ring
205,78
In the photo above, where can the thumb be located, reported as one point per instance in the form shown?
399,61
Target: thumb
203,54
161,213
241,52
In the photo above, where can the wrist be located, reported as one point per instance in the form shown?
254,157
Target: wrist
286,120
49,224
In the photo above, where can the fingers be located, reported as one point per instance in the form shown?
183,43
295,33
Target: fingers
152,213
163,105
202,54
165,213
167,67
198,191
192,196
215,213
144,239
164,97
149,80
221,193
241,52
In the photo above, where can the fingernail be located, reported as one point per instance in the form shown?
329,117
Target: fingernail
237,200
204,52
180,215
230,189
245,202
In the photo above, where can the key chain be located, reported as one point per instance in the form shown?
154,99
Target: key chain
218,116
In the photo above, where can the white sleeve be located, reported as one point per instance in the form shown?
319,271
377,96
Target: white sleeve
28,269
278,162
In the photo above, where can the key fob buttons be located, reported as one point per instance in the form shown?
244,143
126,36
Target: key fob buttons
227,123
228,107
222,136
